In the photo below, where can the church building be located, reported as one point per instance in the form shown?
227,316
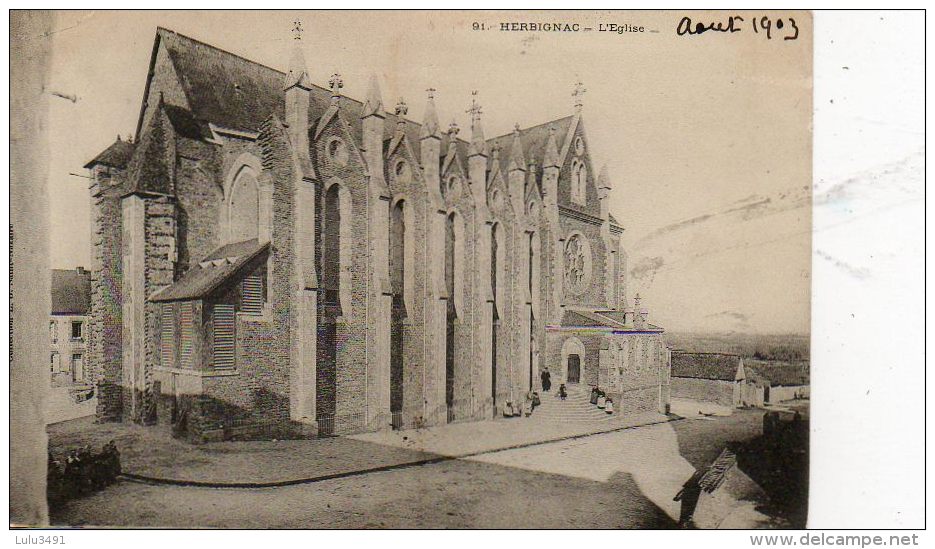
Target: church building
274,258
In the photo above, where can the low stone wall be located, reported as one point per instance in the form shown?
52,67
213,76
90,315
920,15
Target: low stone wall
779,394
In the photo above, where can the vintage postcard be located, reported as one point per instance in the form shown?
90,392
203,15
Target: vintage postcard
411,269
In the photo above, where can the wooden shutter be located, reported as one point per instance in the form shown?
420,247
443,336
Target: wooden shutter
252,295
167,341
223,336
186,328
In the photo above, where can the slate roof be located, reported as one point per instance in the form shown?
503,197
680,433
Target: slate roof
778,373
117,155
214,271
608,319
71,292
149,170
533,139
713,366
236,93
581,318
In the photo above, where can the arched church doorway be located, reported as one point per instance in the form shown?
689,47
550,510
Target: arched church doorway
574,368
573,358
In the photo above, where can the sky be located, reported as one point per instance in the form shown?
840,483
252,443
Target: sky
707,138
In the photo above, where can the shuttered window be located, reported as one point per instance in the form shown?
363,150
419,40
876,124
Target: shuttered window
223,336
167,341
186,329
252,303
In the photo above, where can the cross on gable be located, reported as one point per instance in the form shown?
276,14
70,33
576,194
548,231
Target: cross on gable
431,92
475,110
578,94
297,30
336,83
401,108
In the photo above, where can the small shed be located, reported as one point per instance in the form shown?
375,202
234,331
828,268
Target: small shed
781,379
708,377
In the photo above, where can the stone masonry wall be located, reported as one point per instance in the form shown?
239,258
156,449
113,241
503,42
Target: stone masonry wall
351,359
105,327
707,390
160,273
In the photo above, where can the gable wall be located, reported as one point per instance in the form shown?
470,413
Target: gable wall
164,80
351,367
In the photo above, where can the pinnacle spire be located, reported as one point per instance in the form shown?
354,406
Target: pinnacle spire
551,159
298,69
430,121
603,178
374,102
478,142
517,158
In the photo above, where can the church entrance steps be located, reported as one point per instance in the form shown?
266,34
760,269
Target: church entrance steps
575,408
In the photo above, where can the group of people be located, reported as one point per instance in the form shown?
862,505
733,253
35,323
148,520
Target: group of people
525,408
600,399
83,472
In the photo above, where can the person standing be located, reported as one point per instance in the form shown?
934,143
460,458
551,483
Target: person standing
546,379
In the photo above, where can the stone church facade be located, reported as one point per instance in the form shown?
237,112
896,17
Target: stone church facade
274,258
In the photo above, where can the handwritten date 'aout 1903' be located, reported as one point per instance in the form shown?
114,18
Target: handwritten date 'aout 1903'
781,27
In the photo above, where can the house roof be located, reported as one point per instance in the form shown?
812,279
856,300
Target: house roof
777,372
117,155
214,271
713,366
71,292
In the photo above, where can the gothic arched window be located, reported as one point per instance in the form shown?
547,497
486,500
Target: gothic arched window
244,206
579,182
398,254
336,248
